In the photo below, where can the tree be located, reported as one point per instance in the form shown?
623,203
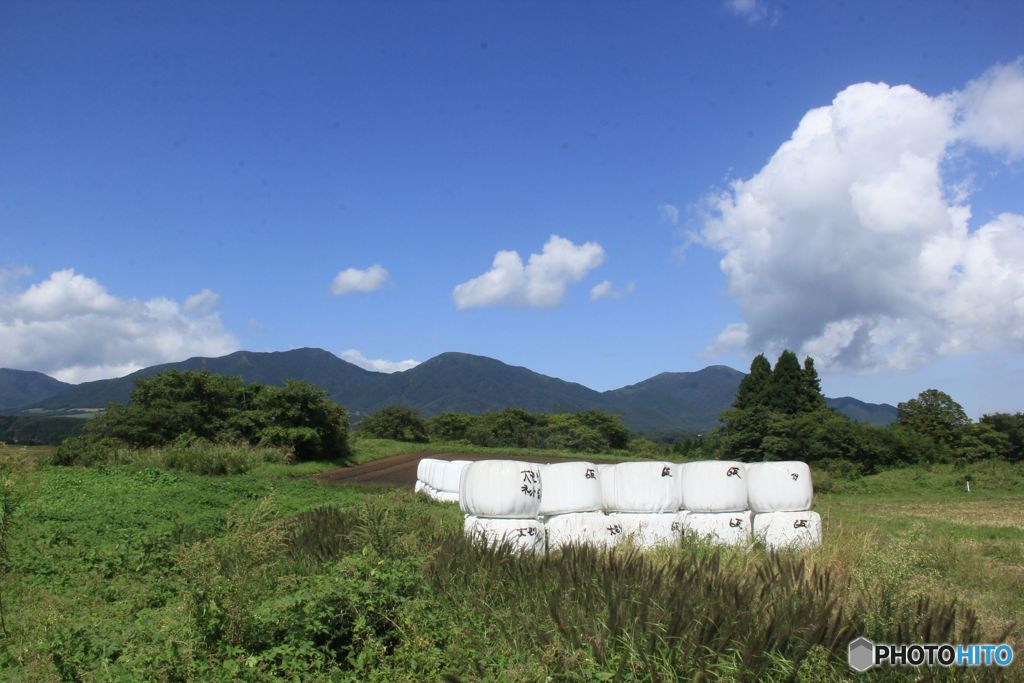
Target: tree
1013,427
175,404
395,422
810,398
299,416
934,413
614,434
450,426
787,384
755,387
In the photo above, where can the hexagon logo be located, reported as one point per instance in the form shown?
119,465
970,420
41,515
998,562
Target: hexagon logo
861,654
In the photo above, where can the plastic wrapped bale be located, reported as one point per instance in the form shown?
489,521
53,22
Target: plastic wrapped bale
650,530
569,487
680,474
446,497
435,473
643,487
423,468
795,530
725,528
501,489
582,528
606,479
779,486
523,535
453,476
714,486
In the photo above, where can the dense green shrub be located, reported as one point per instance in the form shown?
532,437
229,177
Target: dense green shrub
174,406
395,422
449,426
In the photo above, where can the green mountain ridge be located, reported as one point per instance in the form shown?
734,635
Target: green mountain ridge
24,387
668,402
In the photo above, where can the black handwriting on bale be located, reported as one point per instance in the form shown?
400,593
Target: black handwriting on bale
795,476
800,524
733,472
735,522
591,474
666,471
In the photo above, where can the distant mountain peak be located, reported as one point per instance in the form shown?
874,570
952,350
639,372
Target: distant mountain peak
450,381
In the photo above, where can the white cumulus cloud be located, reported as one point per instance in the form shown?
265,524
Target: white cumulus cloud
751,10
356,280
606,290
541,282
669,212
992,109
202,302
851,246
70,327
377,364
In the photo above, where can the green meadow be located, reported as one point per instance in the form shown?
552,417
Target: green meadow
147,570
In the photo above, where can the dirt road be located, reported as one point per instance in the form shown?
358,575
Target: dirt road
400,470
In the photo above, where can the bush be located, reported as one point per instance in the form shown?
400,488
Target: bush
449,426
395,422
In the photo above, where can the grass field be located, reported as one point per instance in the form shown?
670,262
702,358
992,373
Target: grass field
131,572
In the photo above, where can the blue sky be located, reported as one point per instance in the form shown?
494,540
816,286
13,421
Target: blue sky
225,175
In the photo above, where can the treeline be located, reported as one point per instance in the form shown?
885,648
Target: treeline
780,414
176,407
28,430
589,431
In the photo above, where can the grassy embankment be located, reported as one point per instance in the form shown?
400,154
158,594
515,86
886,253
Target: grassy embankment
136,571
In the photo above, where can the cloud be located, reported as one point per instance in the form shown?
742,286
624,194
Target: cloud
751,10
12,274
669,212
203,302
541,282
851,246
355,280
606,290
992,110
377,364
70,327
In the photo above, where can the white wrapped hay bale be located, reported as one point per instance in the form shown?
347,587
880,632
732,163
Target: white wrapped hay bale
582,528
725,528
650,530
643,487
606,479
524,535
501,489
569,487
424,469
446,497
779,486
795,530
435,473
452,476
714,486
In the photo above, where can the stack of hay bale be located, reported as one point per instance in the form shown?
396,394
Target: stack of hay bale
651,503
501,501
643,499
714,496
571,507
440,479
780,494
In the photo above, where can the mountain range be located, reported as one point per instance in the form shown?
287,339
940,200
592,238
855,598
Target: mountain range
669,402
